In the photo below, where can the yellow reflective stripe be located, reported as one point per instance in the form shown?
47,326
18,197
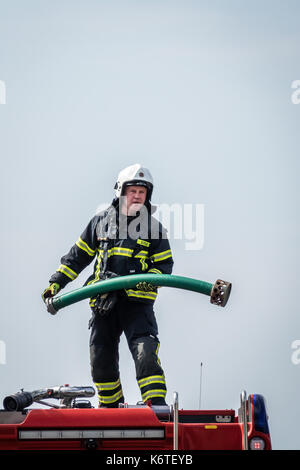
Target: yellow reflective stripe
67,271
144,264
151,379
156,352
141,254
155,271
140,293
120,253
97,270
107,385
161,256
118,250
112,398
154,393
85,247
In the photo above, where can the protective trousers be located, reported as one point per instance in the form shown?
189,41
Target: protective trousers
137,321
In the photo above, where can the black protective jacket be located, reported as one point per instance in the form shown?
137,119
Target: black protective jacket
123,245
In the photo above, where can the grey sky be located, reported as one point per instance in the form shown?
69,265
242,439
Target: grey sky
199,92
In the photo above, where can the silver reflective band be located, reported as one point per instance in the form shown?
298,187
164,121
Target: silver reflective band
49,305
92,434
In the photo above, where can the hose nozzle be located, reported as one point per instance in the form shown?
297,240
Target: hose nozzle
49,305
220,293
18,401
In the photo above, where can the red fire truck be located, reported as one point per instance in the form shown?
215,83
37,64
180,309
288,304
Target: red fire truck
74,424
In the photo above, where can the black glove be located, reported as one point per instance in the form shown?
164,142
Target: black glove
105,302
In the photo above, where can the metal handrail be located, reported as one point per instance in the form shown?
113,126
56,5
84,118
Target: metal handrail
244,419
175,421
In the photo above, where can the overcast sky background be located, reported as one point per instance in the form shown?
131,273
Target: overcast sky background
199,92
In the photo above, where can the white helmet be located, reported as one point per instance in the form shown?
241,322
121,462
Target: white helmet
134,175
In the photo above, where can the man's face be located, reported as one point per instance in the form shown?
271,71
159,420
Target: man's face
135,197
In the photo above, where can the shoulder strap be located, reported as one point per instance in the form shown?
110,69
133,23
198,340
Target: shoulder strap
106,231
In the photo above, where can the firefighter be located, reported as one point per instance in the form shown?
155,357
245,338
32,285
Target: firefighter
124,239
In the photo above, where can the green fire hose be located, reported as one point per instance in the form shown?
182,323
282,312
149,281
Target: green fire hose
218,292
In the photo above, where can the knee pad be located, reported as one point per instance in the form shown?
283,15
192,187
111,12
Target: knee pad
145,354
